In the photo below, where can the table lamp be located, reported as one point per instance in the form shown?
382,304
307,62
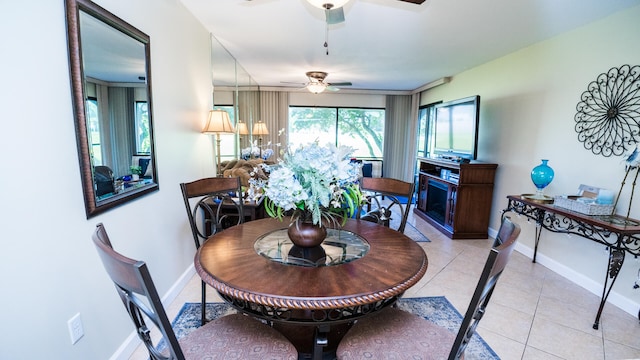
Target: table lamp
242,128
260,128
218,123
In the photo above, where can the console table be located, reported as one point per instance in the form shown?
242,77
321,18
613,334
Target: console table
621,235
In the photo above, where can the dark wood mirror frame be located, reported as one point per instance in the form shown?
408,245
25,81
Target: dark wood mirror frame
94,206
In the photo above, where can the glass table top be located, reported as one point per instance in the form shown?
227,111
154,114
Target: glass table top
339,247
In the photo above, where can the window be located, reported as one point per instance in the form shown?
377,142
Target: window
143,140
362,129
426,118
93,126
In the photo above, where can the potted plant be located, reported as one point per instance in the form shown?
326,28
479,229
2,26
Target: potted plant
136,172
316,185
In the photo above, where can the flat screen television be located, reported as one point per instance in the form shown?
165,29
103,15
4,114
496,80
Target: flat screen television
455,132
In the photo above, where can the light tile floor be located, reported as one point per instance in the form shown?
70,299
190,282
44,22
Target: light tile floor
534,313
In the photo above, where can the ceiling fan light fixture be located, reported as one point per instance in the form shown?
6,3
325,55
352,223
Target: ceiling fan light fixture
317,88
328,4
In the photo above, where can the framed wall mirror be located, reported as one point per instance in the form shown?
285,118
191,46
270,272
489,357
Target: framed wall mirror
111,86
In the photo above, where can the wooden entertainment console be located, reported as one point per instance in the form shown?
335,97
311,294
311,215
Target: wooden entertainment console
455,197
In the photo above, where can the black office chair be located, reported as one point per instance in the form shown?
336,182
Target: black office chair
384,198
229,337
103,177
394,331
215,207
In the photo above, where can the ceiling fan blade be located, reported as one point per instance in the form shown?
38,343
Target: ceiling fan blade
414,1
346,83
334,16
331,88
293,83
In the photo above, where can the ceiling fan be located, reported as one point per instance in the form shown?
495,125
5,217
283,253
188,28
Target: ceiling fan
317,84
334,12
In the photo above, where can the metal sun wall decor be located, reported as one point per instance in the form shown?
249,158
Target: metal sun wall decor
608,117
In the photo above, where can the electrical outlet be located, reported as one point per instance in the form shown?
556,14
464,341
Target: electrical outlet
75,328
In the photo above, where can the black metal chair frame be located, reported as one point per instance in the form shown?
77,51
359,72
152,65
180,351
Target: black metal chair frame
494,266
133,282
376,190
217,203
496,263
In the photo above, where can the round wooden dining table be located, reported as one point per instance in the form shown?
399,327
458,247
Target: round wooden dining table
313,303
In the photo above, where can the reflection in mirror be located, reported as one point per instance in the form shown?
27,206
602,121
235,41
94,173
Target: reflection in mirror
236,92
111,83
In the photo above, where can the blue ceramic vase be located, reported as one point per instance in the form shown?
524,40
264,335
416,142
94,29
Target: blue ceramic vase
542,175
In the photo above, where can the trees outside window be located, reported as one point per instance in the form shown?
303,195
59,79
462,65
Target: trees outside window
362,129
426,121
93,126
143,138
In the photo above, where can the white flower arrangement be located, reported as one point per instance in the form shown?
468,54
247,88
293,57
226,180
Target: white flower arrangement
315,182
252,151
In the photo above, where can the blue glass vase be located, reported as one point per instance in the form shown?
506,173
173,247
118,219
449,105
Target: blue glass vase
542,175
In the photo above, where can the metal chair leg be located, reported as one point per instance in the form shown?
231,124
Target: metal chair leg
203,304
320,341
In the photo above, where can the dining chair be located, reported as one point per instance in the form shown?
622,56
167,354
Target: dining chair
385,198
212,205
396,332
233,336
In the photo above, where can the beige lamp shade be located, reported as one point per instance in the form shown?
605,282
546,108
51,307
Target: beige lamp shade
260,128
218,123
242,128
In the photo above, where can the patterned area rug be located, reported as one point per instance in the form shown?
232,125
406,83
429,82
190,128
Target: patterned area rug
414,234
436,309
409,229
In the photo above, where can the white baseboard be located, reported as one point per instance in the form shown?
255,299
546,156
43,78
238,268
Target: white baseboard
624,303
132,342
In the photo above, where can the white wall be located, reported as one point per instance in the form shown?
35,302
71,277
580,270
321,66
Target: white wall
49,269
528,103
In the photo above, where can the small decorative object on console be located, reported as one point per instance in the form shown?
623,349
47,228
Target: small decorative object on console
541,175
632,162
590,201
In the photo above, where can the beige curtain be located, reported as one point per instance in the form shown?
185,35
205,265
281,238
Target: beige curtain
399,155
122,125
102,94
247,112
274,112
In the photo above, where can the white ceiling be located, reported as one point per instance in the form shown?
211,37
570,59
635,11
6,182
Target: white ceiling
386,44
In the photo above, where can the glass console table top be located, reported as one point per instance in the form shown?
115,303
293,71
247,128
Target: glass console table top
339,247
